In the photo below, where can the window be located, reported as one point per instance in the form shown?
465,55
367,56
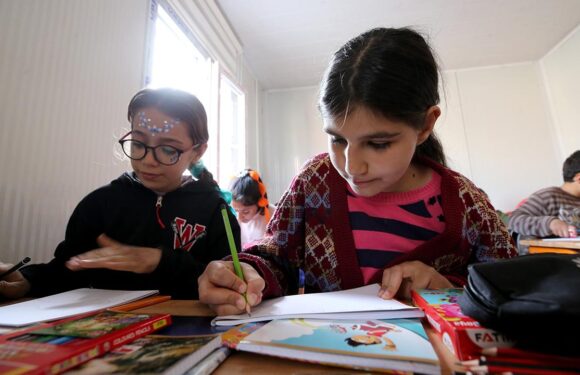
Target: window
177,60
232,137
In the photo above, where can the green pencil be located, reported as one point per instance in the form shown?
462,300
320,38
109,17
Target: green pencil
234,252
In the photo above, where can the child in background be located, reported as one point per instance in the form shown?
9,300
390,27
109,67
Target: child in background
250,201
153,228
552,211
381,206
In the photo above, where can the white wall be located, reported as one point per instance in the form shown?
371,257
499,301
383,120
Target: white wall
450,126
508,128
561,68
506,122
291,133
68,71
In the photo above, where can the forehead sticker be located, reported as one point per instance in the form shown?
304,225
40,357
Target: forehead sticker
145,122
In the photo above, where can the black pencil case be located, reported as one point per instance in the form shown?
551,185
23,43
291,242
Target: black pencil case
534,299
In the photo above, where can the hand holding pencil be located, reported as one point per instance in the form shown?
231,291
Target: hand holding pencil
230,287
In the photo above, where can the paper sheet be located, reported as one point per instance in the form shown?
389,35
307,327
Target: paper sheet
66,304
358,303
562,239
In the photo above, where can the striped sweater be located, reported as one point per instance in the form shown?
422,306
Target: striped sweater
534,216
311,231
391,223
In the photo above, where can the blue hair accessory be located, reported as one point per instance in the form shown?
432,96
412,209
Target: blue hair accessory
197,169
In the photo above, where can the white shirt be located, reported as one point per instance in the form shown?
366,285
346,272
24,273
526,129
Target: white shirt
254,229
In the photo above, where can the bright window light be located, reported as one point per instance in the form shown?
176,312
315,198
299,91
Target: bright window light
175,61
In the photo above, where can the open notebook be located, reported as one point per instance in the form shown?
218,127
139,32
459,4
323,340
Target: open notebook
358,303
67,304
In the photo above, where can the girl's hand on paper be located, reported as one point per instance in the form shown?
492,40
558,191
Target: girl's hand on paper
222,290
400,279
117,256
13,285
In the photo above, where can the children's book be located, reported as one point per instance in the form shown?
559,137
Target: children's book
232,337
462,335
359,303
396,345
172,350
52,348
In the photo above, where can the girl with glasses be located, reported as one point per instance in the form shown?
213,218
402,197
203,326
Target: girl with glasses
153,228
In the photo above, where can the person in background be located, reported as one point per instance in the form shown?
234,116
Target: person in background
153,228
380,206
552,211
250,201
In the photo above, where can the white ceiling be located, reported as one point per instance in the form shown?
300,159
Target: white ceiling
287,43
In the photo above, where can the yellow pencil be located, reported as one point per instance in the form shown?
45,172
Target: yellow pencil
234,252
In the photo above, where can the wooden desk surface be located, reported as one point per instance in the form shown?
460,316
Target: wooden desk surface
249,363
572,244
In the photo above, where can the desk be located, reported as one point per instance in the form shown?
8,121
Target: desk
249,363
536,246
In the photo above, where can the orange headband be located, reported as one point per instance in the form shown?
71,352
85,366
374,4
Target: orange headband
263,201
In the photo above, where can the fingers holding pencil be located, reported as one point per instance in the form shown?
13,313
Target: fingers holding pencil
223,290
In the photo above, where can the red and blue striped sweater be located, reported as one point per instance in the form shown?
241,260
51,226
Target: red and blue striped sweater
311,231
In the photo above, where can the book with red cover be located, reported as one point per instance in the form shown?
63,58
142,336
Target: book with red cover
462,335
52,348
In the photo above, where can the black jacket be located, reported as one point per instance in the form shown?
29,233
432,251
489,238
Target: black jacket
186,225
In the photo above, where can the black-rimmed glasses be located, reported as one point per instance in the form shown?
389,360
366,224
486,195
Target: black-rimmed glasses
137,150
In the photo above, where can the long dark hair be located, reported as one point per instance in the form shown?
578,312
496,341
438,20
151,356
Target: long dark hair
393,73
180,105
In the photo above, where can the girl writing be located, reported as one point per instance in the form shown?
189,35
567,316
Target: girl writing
153,228
250,201
381,206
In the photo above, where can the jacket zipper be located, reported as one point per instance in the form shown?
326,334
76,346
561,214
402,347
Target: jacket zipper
158,206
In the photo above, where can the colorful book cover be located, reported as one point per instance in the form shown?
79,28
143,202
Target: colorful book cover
462,335
52,348
232,337
171,350
395,345
153,355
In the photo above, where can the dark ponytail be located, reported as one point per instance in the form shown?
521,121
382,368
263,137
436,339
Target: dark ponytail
392,72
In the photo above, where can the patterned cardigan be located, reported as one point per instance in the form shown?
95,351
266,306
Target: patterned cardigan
311,230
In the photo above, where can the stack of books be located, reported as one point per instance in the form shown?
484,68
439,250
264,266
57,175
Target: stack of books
189,345
52,348
109,340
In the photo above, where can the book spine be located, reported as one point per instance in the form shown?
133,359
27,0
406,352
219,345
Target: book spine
109,342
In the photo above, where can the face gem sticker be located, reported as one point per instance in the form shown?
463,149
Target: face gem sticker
145,122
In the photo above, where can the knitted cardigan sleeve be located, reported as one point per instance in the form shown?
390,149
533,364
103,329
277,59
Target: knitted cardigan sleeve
484,229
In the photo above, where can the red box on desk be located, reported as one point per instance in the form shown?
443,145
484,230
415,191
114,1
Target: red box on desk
73,340
462,335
